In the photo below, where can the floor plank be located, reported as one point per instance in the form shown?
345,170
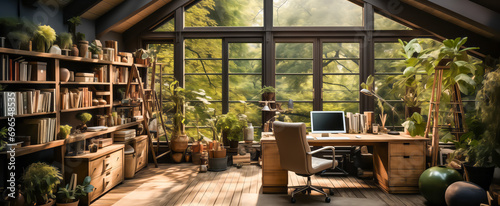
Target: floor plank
181,184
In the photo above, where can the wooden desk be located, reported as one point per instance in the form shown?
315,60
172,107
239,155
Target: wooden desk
398,160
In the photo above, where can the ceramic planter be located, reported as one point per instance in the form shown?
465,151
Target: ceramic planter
74,51
482,176
64,74
180,143
83,47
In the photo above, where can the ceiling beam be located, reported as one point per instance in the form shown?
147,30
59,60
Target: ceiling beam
120,13
77,8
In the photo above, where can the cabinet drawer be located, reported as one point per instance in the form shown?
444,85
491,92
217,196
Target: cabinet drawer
406,173
407,149
142,157
112,178
96,167
98,184
399,181
407,162
274,178
113,160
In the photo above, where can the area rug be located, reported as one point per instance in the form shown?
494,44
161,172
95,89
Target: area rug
278,199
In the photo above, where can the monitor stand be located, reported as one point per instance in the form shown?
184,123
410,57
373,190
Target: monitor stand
325,134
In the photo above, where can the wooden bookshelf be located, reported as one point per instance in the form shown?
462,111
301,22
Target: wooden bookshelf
29,115
36,148
27,82
111,129
84,83
86,108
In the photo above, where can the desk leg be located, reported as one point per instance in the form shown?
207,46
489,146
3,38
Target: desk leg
381,165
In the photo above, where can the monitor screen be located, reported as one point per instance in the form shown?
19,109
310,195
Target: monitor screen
327,122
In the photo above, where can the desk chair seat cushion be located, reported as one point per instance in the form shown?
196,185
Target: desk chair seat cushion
320,164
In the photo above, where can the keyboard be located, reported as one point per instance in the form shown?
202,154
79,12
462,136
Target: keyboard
331,138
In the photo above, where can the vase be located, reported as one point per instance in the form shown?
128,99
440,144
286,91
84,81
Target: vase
74,51
64,74
180,143
55,49
83,47
248,133
434,181
68,204
482,176
463,193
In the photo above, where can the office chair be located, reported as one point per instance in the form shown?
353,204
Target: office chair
296,156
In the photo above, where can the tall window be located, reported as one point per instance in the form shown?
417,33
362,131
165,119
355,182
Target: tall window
340,77
213,13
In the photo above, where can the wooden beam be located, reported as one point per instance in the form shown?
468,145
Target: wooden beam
77,8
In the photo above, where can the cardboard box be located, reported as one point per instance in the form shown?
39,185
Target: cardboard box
38,71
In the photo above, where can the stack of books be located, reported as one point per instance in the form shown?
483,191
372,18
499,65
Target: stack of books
120,74
356,123
18,69
124,134
27,101
40,130
76,98
101,73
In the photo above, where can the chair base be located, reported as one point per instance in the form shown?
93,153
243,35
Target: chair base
309,187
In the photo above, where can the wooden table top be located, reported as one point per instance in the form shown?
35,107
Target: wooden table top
366,139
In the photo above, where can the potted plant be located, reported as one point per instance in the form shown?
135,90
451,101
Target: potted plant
18,31
71,194
73,22
232,126
39,182
177,95
142,56
44,37
268,93
64,131
415,125
84,118
95,51
65,41
83,45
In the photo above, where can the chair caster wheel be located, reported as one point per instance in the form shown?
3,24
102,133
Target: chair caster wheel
331,192
293,200
327,200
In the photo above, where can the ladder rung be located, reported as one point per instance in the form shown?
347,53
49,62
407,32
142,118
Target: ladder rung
163,154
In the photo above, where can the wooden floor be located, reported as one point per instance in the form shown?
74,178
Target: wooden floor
186,186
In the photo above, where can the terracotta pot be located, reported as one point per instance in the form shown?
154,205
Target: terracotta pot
74,51
64,75
268,96
68,204
197,148
180,143
217,153
83,47
177,157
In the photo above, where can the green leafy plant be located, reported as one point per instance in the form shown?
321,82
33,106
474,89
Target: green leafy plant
232,124
415,125
3,136
94,49
177,95
39,182
84,117
80,36
65,40
72,193
267,89
44,37
64,131
18,31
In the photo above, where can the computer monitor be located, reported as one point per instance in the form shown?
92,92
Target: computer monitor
328,122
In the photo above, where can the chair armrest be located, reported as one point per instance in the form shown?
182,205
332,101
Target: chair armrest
323,148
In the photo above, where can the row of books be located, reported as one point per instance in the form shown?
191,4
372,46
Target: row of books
120,74
18,69
28,101
40,130
101,73
359,123
76,98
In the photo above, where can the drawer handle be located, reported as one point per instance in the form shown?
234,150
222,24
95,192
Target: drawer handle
108,172
406,143
406,157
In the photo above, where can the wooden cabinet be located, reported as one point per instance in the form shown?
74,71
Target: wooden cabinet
274,178
105,167
140,145
406,162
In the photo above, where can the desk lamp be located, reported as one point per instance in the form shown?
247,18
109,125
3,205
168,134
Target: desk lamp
370,93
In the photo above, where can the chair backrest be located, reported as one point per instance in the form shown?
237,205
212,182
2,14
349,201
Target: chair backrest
293,146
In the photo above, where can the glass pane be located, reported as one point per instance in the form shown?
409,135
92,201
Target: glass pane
167,26
245,50
252,110
384,66
387,50
340,66
316,13
340,87
384,23
245,66
340,50
300,113
382,88
203,66
192,132
190,114
294,50
165,55
208,13
295,87
398,118
212,84
346,107
294,66
203,48
245,87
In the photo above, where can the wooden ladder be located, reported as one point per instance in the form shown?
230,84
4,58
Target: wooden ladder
145,114
433,115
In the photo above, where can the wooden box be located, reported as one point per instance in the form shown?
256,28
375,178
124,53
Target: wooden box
38,71
105,142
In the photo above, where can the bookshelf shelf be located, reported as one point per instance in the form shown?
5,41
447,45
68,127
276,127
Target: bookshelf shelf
36,148
84,83
122,83
27,82
29,115
111,129
86,108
